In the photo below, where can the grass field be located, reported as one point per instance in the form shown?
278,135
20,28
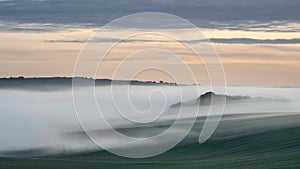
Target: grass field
273,149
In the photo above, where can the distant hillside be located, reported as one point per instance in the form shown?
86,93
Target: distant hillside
206,99
56,83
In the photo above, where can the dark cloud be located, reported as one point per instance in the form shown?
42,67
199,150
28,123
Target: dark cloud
34,27
213,40
255,41
66,41
236,14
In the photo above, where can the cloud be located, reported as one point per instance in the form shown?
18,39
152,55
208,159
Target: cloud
104,40
254,41
33,27
230,14
66,41
213,40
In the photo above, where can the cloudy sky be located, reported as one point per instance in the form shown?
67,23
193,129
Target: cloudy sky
258,41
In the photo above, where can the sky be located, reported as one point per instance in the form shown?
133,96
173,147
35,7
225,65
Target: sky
258,41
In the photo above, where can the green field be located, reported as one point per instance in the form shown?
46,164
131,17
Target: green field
272,149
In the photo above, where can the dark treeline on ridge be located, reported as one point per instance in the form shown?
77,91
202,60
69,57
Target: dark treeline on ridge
66,82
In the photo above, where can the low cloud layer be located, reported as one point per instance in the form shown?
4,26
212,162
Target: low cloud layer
213,40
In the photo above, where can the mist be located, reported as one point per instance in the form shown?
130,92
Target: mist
47,120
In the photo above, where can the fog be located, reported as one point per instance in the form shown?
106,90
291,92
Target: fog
48,120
